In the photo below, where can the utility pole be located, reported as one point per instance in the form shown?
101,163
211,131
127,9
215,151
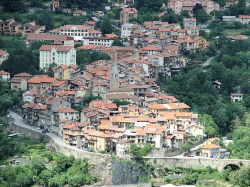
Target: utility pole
36,177
129,150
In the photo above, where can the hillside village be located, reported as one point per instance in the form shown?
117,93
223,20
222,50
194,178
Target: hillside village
110,104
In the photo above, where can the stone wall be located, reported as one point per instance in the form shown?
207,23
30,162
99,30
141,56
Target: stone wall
128,173
201,162
98,159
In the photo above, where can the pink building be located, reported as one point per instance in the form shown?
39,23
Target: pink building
179,5
55,4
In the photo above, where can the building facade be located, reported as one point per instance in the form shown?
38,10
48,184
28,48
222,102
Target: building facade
127,13
179,5
126,30
76,31
3,56
60,55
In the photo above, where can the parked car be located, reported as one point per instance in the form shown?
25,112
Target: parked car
188,155
38,128
191,155
45,131
185,154
211,156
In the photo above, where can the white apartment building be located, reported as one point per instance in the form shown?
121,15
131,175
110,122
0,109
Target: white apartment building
3,56
5,76
126,30
61,55
76,31
235,97
107,41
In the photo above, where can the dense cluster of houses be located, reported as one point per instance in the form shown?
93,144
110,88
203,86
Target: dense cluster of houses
150,115
60,101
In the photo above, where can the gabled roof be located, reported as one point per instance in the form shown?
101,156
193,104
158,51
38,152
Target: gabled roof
4,73
63,109
150,48
50,102
129,9
210,146
22,75
57,48
2,52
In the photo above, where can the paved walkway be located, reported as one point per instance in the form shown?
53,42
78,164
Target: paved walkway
208,61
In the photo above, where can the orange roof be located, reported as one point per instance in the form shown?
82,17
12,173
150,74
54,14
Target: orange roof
57,47
128,9
181,30
110,105
211,146
35,80
143,118
48,80
244,16
77,26
50,102
86,47
157,106
78,12
2,52
22,75
66,66
188,19
183,114
63,109
69,126
59,83
142,132
149,48
111,35
94,31
190,40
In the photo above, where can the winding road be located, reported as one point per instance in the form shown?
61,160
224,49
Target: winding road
20,122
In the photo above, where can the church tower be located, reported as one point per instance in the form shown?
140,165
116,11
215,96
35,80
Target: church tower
114,78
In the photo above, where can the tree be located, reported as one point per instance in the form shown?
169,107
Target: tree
240,177
186,147
119,102
201,16
49,24
106,26
117,42
197,7
13,5
136,152
36,3
61,162
37,163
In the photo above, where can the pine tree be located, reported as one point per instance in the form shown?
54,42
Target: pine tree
49,25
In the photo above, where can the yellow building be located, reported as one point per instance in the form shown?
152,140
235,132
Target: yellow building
196,130
64,71
200,43
100,141
67,131
210,150
40,84
17,84
212,141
